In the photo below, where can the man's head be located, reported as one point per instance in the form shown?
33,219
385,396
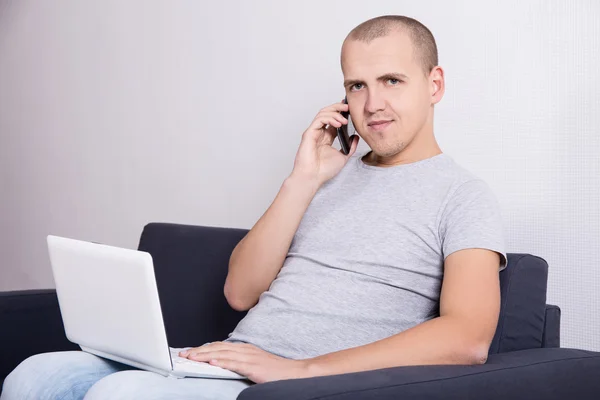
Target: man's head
391,74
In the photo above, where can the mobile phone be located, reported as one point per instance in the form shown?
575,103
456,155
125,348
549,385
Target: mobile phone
342,132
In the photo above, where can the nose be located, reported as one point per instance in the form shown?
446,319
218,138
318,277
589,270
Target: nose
375,102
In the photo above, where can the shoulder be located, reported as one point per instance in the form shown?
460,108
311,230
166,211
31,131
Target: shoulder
462,181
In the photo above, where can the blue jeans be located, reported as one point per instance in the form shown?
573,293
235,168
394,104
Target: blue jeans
71,375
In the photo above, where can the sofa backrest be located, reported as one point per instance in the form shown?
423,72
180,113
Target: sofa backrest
190,265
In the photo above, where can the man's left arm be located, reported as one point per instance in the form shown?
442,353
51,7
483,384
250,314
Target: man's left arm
462,334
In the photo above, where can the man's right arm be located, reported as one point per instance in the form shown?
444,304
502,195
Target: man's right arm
258,257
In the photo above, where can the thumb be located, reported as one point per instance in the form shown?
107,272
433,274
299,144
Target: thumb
355,139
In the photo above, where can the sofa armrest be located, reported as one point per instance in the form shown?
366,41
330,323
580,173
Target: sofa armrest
550,374
523,304
30,323
551,337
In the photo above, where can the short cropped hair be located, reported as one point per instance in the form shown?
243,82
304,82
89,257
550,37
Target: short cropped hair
421,37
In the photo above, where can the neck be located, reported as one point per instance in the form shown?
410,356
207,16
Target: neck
416,150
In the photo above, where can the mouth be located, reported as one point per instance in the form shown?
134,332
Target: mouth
379,125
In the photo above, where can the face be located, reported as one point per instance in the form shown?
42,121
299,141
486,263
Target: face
391,101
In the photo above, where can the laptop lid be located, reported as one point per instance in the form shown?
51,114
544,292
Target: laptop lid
109,302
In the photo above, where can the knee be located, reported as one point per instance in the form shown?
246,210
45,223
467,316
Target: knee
126,385
59,375
34,378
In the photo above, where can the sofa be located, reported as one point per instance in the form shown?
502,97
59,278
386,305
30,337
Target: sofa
525,358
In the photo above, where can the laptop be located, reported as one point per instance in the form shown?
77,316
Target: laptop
110,307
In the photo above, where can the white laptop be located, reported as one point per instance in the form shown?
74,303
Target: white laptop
110,307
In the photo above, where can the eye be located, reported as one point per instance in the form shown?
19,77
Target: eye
354,87
394,81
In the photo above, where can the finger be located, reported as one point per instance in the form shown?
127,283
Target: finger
318,127
207,356
215,346
184,353
327,125
322,122
336,115
329,136
242,351
337,107
200,351
239,347
204,356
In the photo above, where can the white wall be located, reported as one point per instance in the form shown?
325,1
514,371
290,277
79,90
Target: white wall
117,113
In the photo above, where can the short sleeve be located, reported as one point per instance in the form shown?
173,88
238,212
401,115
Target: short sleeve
471,218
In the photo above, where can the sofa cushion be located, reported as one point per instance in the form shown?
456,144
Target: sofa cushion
549,374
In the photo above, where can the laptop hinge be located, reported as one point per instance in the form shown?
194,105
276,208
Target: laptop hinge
125,361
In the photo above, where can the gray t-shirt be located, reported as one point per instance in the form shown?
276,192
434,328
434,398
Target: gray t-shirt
367,259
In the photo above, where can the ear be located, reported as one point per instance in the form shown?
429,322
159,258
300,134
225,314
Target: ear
438,86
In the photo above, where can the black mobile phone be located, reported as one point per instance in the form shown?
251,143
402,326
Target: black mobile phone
342,132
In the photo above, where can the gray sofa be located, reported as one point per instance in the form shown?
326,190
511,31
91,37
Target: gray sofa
525,359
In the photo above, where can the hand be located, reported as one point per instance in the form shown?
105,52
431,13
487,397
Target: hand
248,360
316,160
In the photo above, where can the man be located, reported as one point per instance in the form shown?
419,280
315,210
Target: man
362,262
